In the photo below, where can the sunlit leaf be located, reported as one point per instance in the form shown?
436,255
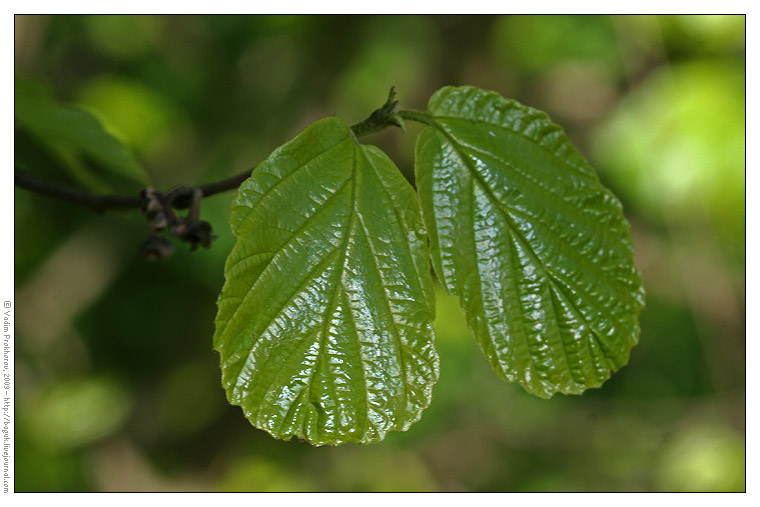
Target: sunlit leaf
523,232
676,145
325,320
135,114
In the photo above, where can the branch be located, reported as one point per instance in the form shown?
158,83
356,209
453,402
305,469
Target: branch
224,185
381,118
179,197
158,207
106,202
96,202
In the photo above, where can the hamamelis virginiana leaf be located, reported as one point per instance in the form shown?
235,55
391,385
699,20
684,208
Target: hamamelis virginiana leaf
537,250
325,320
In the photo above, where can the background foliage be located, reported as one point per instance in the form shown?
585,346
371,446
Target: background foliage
117,384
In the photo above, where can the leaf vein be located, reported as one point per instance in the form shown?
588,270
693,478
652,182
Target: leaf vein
281,181
489,194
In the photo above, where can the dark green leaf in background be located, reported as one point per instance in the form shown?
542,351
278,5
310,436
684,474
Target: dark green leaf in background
325,320
523,232
73,135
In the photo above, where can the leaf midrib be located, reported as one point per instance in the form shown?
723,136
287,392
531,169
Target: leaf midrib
295,233
338,286
591,268
573,210
582,171
551,276
281,181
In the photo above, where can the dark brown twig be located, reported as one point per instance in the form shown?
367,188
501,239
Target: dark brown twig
224,185
96,202
105,202
181,196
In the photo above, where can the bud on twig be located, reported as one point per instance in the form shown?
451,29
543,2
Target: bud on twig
156,248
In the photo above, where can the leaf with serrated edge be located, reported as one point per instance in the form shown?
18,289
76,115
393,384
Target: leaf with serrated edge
537,250
325,320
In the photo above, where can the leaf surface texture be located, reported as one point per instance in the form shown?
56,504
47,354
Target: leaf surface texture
537,250
324,325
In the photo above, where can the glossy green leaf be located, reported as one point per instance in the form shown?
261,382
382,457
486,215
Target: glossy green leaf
535,247
325,319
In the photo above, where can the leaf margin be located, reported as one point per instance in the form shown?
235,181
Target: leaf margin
536,127
241,211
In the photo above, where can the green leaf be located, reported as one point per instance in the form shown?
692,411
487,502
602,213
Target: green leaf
325,319
73,135
522,231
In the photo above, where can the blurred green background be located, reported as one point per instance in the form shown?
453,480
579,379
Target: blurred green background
117,385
